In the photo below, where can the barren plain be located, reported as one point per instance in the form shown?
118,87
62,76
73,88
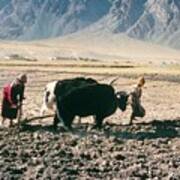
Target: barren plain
148,149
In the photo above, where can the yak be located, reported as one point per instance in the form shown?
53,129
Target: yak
98,100
62,87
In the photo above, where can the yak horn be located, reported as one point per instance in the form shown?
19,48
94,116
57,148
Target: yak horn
114,80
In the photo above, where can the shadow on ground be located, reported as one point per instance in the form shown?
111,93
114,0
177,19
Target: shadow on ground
152,130
139,131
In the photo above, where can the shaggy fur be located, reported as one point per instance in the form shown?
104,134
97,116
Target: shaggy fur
98,100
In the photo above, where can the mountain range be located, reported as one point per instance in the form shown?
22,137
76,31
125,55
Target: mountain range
155,21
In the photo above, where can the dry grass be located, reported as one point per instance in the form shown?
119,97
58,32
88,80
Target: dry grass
89,67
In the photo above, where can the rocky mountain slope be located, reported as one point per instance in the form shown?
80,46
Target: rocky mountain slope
150,20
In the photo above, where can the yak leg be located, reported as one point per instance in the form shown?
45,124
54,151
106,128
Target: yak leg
55,122
42,110
66,118
99,121
67,121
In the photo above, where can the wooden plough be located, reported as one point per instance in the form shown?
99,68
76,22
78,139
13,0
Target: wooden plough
27,120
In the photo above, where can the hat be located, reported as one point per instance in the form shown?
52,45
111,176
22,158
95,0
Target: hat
22,78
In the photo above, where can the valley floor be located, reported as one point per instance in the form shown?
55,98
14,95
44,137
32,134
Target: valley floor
148,149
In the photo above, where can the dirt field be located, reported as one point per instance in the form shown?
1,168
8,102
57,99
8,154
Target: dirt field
149,149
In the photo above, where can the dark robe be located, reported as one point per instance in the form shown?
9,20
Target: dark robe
12,99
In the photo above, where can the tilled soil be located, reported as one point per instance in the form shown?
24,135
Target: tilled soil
149,149
140,151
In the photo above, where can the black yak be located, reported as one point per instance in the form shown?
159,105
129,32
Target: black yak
62,87
99,100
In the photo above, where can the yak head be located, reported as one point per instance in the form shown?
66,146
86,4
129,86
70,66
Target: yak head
122,98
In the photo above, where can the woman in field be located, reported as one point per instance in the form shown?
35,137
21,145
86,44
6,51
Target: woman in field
13,95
